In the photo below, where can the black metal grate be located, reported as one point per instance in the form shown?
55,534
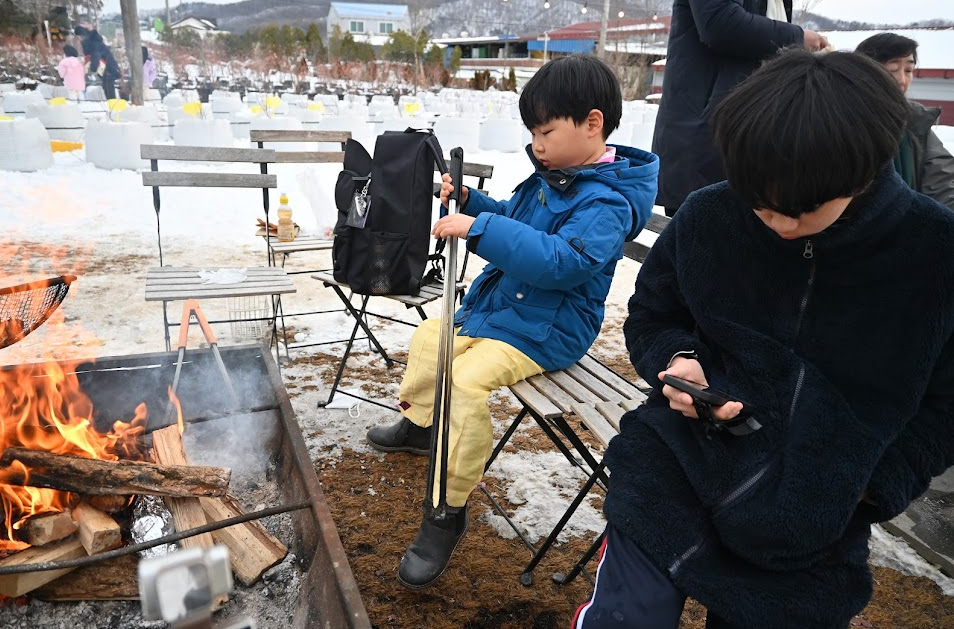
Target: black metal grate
23,308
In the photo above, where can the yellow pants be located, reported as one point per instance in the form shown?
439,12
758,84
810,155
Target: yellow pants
480,367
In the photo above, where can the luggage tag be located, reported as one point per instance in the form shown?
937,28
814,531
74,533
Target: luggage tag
360,204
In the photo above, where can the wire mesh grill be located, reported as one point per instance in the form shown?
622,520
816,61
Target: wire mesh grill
23,308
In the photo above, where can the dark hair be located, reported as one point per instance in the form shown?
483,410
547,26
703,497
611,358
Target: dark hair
145,54
805,129
69,51
884,47
80,30
570,87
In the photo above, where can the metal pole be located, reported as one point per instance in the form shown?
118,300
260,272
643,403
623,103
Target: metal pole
602,46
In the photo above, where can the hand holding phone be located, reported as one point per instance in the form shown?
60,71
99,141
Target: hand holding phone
704,398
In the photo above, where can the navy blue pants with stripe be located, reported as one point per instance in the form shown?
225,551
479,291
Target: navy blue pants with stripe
632,593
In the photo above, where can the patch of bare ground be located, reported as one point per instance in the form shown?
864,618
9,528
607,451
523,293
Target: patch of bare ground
376,504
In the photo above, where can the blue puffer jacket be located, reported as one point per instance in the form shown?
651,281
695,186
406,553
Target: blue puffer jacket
844,342
552,251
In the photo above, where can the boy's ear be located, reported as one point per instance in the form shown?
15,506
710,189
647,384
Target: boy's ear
594,122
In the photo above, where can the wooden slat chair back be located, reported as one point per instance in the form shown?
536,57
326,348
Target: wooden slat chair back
597,396
276,247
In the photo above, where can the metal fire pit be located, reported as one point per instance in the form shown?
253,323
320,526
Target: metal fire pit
116,385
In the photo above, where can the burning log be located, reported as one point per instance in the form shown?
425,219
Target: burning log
40,530
252,549
67,472
186,512
98,532
20,584
112,580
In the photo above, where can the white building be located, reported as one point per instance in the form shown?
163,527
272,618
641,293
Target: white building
202,26
369,23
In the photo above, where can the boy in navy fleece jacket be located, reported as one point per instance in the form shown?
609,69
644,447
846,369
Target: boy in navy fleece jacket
817,287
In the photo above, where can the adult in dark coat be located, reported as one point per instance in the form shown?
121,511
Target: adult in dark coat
101,59
922,161
818,288
713,45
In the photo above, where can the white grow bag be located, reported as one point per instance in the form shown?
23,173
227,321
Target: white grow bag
115,145
63,122
201,132
24,145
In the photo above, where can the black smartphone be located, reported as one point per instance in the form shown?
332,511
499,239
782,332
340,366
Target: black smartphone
705,397
708,395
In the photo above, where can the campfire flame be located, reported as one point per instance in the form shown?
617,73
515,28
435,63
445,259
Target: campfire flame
42,407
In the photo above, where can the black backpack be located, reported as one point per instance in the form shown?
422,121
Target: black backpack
382,234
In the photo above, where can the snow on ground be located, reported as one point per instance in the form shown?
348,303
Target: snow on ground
101,226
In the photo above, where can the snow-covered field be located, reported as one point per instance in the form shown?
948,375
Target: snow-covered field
100,225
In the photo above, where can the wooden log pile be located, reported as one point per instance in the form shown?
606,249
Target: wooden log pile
195,495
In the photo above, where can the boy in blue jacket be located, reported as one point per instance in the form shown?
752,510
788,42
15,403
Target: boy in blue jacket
818,288
538,304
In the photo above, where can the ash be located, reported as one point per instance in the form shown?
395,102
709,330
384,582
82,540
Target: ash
271,601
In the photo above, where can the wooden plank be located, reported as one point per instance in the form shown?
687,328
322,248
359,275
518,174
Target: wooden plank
301,244
196,281
223,293
294,135
657,222
112,580
625,388
612,412
98,532
533,399
193,271
633,404
252,549
208,180
595,422
20,584
187,513
45,528
635,251
549,389
205,154
593,383
309,157
472,169
572,386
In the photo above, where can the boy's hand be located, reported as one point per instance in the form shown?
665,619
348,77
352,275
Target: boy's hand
690,369
453,225
447,189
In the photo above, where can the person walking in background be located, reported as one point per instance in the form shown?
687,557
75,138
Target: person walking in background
73,72
922,161
713,45
148,69
817,288
101,60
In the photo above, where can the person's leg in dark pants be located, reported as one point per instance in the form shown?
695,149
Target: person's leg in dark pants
630,591
109,87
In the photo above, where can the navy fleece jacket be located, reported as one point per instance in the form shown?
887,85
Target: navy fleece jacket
842,341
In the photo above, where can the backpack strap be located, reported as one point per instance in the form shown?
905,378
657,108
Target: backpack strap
438,154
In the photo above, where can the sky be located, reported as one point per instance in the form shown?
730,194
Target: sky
877,11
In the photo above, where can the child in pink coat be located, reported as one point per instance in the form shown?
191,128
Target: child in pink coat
73,73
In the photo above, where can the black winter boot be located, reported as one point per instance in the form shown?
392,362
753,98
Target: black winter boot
429,553
401,436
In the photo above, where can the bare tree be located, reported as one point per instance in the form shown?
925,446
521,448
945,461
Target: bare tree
133,42
802,7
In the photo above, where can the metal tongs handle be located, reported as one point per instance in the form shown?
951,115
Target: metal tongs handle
440,436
